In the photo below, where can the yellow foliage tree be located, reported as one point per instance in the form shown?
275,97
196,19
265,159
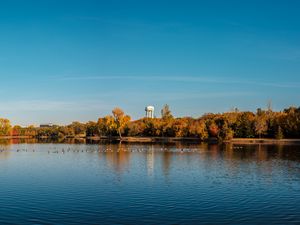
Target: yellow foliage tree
121,120
5,127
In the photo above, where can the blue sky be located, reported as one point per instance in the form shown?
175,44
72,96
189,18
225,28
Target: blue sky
63,61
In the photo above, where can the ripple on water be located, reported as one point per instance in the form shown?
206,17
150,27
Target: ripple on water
148,184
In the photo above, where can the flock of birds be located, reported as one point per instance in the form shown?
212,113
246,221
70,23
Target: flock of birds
237,147
57,150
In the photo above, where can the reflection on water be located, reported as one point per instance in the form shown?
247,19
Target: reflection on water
79,181
117,156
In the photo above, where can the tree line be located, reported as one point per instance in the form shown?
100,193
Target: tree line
222,126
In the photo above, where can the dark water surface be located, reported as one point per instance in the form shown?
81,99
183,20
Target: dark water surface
149,184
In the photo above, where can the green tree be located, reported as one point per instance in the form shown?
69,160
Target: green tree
92,129
279,133
244,125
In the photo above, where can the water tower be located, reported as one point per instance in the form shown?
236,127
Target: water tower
149,111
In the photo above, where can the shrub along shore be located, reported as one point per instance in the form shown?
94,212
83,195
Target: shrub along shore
262,126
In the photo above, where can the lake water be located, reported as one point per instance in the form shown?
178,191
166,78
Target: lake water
42,183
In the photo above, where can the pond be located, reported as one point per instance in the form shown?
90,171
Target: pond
113,183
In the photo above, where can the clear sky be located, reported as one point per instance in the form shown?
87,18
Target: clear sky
62,61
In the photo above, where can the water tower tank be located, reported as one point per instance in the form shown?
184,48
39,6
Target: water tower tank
149,111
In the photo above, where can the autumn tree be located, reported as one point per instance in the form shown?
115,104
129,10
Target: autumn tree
198,129
136,128
101,126
107,125
30,131
5,127
180,127
121,120
291,122
79,128
16,130
213,130
167,122
67,131
149,127
261,125
226,133
223,126
166,113
92,129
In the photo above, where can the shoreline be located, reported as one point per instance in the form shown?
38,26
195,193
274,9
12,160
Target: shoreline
148,139
197,140
263,141
170,139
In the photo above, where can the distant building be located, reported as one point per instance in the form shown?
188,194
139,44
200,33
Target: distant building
46,125
149,111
